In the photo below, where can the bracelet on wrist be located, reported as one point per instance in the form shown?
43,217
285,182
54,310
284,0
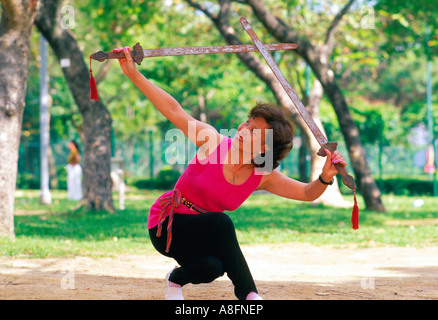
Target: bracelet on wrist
324,182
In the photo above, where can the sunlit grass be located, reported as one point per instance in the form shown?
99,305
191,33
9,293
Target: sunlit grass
60,229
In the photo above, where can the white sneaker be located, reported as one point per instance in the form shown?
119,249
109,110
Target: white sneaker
173,293
253,296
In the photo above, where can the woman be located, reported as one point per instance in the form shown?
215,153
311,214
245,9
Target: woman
189,223
74,172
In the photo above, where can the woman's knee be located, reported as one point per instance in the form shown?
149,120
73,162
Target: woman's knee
206,269
223,223
215,268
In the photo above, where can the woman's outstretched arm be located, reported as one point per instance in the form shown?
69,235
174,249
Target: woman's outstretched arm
281,185
167,105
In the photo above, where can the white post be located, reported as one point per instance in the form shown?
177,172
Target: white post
45,196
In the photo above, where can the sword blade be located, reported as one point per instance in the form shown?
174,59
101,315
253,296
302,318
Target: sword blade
320,137
140,53
214,49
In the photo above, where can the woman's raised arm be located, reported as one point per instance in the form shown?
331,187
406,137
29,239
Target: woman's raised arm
167,105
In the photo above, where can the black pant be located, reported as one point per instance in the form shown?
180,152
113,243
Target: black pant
205,246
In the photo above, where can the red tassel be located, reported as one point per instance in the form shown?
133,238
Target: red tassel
355,214
93,89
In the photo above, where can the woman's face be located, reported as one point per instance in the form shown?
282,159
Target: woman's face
250,137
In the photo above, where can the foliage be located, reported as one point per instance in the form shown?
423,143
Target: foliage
381,69
62,109
407,186
405,24
388,62
165,179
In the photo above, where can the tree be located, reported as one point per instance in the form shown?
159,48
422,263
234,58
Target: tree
212,89
96,118
411,32
319,58
15,30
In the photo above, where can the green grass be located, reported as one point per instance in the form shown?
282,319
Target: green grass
60,230
271,219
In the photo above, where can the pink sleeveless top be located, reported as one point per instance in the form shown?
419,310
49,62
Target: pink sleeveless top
203,183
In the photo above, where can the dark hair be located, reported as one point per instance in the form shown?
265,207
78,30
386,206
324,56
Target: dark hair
76,145
282,135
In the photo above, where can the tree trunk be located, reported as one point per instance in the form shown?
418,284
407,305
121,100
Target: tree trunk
302,161
96,118
357,153
261,70
332,196
319,62
202,107
15,30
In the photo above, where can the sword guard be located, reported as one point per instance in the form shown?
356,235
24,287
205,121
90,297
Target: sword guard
330,146
346,178
137,54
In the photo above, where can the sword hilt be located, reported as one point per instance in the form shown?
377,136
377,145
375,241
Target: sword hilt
136,54
347,179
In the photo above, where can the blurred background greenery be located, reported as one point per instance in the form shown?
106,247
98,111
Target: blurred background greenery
381,69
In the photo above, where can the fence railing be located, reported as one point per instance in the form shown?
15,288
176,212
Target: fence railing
147,158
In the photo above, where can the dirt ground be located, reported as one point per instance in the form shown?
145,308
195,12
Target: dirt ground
282,272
